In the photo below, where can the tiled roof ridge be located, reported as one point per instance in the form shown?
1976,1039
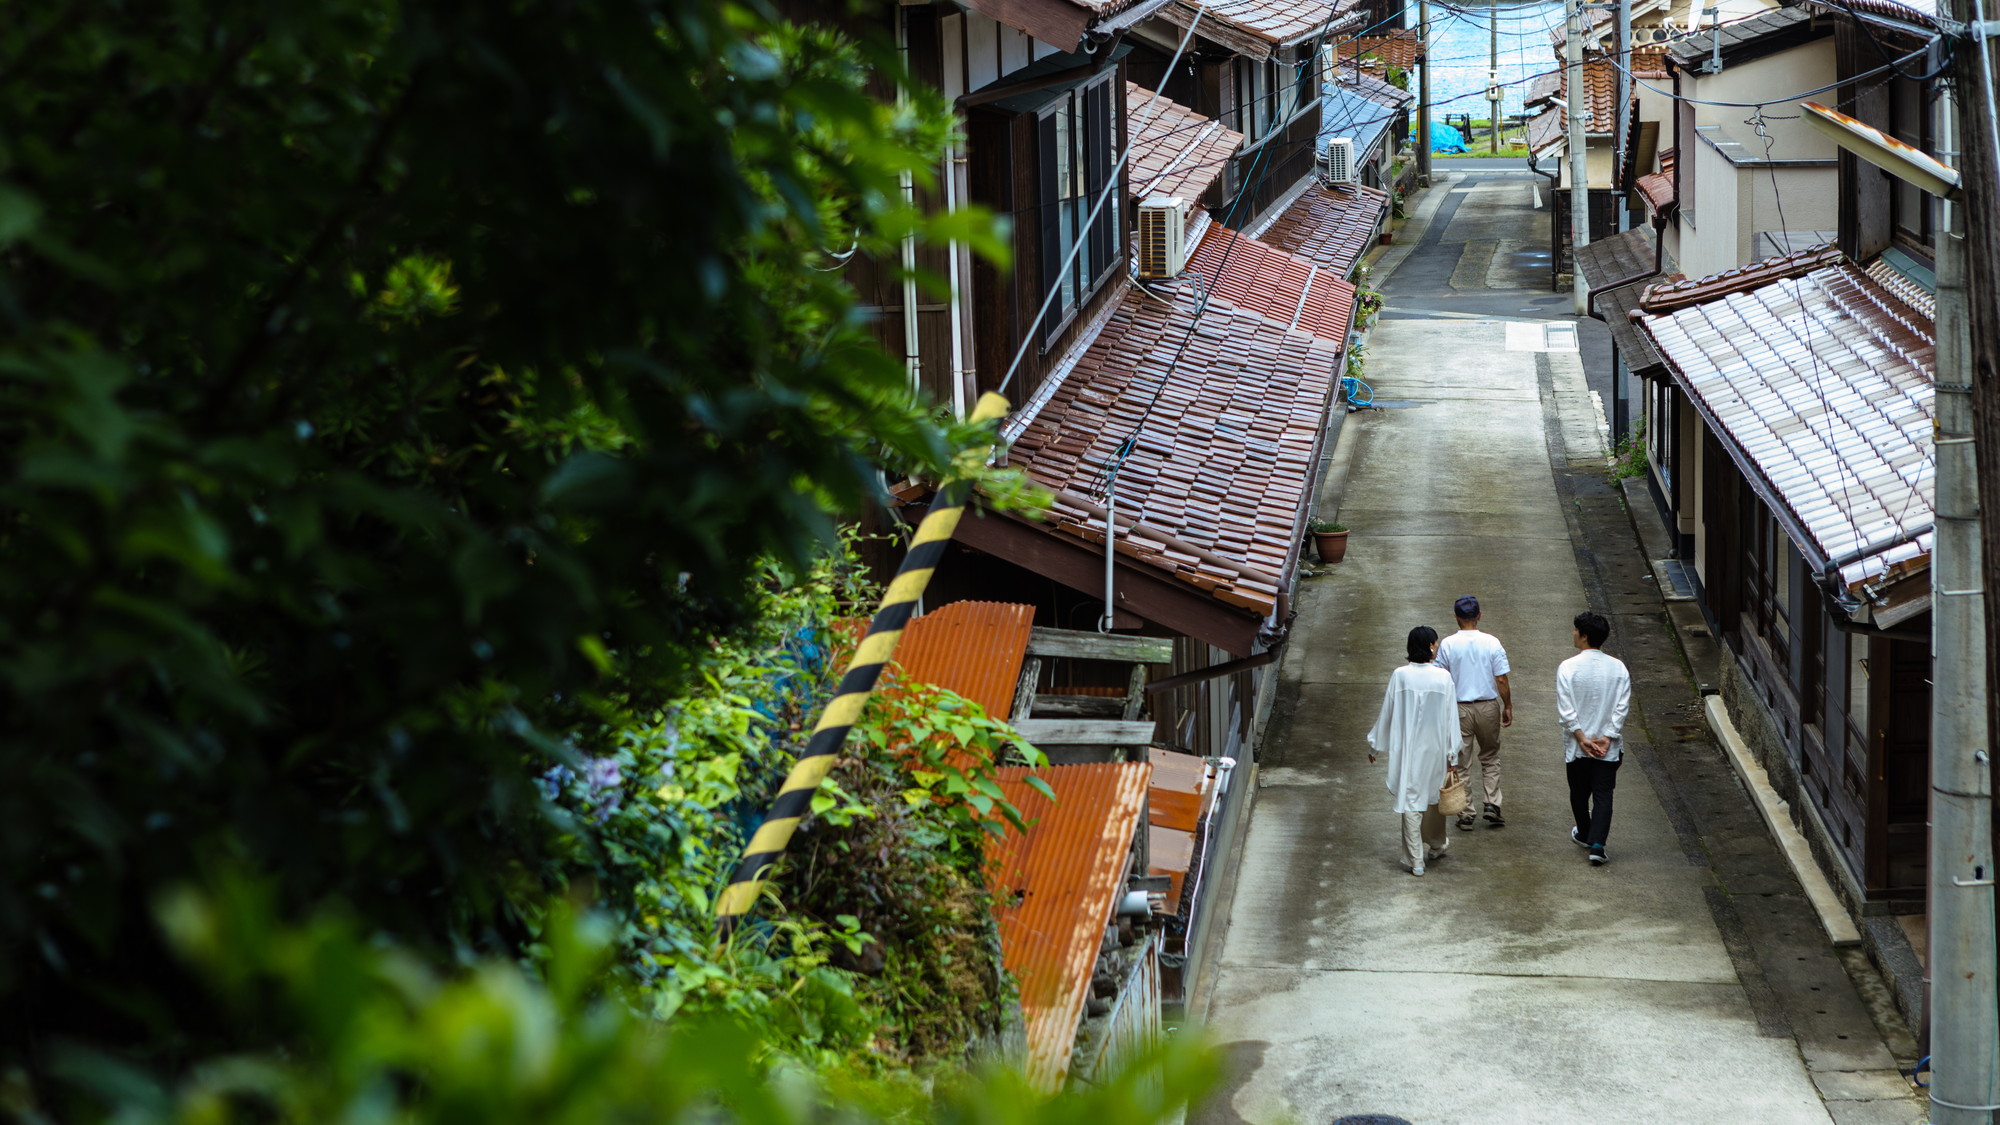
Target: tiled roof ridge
1670,296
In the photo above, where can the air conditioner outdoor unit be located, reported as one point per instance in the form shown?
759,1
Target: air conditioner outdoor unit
1162,236
1336,162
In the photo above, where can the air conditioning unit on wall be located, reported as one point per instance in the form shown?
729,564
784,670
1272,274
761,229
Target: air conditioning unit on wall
1336,162
1162,236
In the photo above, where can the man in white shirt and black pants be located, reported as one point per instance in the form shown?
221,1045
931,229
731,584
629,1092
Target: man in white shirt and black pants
1593,696
1478,665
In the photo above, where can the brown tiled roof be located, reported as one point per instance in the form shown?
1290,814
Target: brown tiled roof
1398,49
1657,189
1058,22
1545,130
1252,274
1668,296
1822,381
1224,441
1746,38
1175,151
1367,82
1647,62
1542,87
1332,228
1600,84
972,648
1055,887
1255,27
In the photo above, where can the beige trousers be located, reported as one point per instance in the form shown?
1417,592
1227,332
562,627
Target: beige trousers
1479,724
1423,830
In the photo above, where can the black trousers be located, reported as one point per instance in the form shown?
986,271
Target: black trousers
1591,781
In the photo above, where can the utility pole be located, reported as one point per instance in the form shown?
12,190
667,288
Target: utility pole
1423,93
1578,104
1621,148
1493,94
1964,1023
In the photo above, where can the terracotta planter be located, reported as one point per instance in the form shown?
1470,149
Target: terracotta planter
1332,545
1388,236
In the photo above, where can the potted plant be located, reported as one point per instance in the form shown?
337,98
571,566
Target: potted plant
1331,539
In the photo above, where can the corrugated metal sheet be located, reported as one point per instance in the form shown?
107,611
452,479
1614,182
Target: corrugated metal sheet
972,648
1824,381
1055,887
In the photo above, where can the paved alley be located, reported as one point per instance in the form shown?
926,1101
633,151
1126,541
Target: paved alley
1514,983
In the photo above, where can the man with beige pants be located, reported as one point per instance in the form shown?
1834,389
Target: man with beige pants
1478,665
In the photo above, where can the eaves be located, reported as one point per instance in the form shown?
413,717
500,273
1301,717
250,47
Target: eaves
1737,153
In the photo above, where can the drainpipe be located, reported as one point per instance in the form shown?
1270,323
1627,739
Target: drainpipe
959,374
1659,263
912,356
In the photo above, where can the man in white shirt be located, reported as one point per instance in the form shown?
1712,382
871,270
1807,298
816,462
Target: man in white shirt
1478,666
1593,696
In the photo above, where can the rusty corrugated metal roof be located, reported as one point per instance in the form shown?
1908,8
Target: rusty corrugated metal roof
972,648
1055,888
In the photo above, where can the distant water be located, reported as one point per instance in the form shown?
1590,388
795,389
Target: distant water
1460,46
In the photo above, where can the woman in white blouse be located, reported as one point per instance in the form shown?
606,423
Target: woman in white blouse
1418,732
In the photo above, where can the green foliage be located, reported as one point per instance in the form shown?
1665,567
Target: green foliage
390,397
1357,360
378,1034
895,858
1327,527
1628,454
1368,300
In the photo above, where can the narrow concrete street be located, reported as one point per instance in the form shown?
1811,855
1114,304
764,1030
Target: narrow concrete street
1688,980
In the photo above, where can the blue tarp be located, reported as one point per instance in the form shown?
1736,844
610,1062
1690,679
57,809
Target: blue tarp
1446,138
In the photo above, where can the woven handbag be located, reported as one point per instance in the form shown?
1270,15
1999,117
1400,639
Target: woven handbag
1452,799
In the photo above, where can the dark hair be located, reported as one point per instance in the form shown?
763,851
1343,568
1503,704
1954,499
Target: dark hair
1421,639
1594,628
1466,608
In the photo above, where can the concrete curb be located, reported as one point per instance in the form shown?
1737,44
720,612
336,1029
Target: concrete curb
1833,917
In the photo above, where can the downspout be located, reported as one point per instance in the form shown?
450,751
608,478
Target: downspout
952,161
911,349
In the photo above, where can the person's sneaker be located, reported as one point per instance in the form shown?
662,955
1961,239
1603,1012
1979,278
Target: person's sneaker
1417,870
1494,818
1431,856
1467,822
1597,856
1576,839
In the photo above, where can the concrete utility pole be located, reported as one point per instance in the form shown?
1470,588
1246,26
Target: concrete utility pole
1423,93
1579,169
1493,93
1623,130
1964,1022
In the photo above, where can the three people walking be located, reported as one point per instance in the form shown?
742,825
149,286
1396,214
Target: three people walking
1451,700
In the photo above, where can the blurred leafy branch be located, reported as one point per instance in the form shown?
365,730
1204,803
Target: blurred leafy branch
396,400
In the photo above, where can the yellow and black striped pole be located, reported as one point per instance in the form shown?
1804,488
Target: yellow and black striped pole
857,683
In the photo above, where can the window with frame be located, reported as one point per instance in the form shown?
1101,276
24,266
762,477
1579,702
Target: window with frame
1076,134
1910,207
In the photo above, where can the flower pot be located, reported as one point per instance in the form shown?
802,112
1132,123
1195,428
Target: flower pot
1388,236
1332,545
